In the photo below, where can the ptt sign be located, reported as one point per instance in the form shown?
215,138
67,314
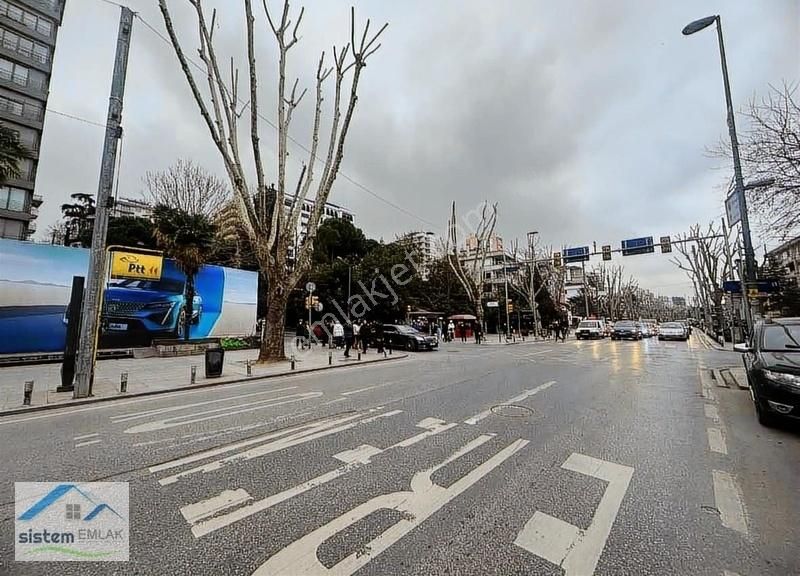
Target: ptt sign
136,266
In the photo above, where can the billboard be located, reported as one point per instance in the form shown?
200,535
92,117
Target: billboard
35,282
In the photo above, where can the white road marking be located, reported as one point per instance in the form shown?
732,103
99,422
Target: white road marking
362,390
220,412
152,412
716,441
334,401
705,383
528,393
352,459
85,436
274,446
729,573
578,551
207,508
89,443
711,412
417,505
729,501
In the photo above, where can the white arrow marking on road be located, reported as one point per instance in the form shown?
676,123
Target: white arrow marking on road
527,394
716,441
275,446
578,551
417,505
220,412
353,459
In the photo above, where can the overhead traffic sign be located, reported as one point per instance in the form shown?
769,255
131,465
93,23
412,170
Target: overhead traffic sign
572,255
638,246
136,266
607,252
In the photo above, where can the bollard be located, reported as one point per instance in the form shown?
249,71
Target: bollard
27,393
123,382
359,355
390,351
330,358
194,374
292,361
384,353
249,368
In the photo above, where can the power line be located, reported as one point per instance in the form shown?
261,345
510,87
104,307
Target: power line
78,118
293,140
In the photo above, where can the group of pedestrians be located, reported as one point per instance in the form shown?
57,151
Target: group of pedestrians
346,336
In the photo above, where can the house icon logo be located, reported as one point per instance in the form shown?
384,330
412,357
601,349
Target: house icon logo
60,521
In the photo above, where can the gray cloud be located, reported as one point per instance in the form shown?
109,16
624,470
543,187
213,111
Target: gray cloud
586,121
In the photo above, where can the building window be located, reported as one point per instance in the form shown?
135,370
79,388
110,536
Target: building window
28,48
10,229
14,199
33,21
24,109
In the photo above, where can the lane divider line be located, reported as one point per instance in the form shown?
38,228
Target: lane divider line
729,502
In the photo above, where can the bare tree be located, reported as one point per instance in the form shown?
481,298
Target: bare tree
537,274
469,266
703,262
610,279
270,216
188,187
770,148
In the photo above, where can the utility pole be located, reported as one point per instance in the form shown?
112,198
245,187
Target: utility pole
585,289
96,276
505,277
531,249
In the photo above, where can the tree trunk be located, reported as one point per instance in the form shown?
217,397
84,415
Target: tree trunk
188,309
272,349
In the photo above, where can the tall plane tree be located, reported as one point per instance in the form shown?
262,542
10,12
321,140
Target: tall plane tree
269,226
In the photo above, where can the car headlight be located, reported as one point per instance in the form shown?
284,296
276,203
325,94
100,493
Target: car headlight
159,305
783,377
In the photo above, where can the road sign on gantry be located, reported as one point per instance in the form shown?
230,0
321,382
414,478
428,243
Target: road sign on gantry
607,252
572,255
638,246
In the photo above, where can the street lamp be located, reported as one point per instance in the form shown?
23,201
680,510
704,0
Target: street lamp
532,252
739,187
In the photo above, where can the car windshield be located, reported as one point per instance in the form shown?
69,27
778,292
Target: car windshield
407,329
672,325
781,337
588,324
625,324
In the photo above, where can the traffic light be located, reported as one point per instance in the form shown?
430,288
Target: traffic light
666,245
557,259
311,302
607,252
510,306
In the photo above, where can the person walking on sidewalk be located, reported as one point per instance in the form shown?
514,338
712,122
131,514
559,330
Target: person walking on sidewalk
300,335
338,334
377,335
364,335
555,325
451,331
348,338
478,333
356,334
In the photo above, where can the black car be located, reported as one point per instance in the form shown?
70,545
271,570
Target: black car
400,336
627,330
772,361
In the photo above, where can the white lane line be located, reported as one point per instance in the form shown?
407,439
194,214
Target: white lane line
716,441
362,390
269,448
729,573
352,459
134,415
526,394
220,412
729,501
213,506
334,401
711,412
85,436
89,443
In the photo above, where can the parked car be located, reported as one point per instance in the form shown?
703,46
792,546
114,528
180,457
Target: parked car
627,330
400,336
589,329
772,362
673,331
645,329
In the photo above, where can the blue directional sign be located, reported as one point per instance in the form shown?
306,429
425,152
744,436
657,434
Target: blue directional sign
763,286
572,255
638,246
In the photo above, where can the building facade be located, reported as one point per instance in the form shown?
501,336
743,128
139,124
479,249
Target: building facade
330,211
788,256
28,31
131,207
426,247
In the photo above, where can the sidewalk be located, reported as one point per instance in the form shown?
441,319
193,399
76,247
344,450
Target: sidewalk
156,375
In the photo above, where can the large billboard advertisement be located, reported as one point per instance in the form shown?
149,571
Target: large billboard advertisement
35,284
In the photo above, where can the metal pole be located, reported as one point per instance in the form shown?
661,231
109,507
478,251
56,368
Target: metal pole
531,244
505,278
349,284
729,258
750,258
585,289
95,277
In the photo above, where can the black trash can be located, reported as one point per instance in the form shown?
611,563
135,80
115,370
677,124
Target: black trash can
214,360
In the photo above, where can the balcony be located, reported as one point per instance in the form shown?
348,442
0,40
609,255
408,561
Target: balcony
36,200
51,8
24,180
19,113
24,84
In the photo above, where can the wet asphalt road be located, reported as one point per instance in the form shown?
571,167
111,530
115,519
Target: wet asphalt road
539,458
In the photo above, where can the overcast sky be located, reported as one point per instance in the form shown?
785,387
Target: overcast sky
586,121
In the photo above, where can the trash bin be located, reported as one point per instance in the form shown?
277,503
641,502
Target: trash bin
214,360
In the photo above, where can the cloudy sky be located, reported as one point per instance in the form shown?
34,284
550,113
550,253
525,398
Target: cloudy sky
586,121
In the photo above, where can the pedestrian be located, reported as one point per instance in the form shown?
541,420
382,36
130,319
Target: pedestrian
478,333
377,335
556,328
356,334
463,329
451,331
564,327
300,335
348,338
438,331
338,334
364,335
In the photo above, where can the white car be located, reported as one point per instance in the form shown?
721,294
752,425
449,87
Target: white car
590,329
673,331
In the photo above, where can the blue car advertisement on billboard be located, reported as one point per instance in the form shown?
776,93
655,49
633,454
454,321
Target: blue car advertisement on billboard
35,283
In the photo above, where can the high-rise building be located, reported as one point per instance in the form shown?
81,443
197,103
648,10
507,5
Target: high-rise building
328,211
28,30
425,245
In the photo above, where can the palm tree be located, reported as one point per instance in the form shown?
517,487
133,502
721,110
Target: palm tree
187,239
11,152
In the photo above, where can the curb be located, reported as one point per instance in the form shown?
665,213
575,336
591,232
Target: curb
17,411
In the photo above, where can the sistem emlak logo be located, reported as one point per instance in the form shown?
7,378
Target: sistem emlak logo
61,521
